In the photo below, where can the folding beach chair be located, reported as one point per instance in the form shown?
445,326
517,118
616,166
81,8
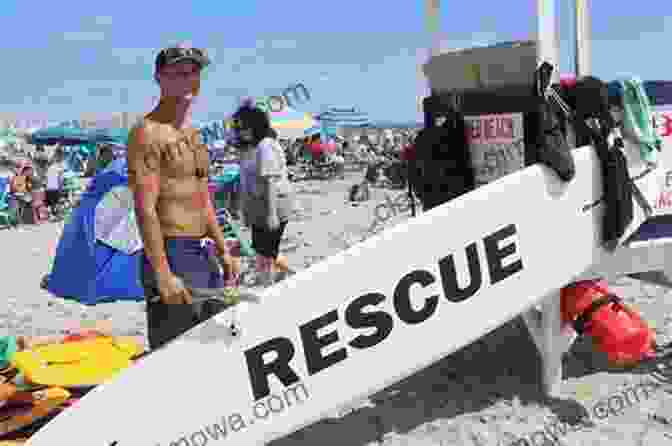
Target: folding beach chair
7,215
232,231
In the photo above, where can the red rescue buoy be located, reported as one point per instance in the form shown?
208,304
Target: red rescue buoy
615,328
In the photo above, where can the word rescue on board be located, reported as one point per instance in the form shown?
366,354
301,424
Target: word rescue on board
313,345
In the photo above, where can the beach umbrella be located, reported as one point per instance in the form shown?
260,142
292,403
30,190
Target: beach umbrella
314,130
113,136
344,117
290,123
69,136
329,131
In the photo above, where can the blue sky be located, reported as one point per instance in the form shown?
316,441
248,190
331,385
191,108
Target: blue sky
65,58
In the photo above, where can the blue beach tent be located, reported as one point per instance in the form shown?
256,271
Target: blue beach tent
85,269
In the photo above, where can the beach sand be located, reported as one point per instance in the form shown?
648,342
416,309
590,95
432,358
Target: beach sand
488,393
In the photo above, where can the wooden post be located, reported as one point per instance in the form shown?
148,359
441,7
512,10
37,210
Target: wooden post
433,23
547,36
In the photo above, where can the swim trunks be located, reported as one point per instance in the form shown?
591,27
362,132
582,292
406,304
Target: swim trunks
189,260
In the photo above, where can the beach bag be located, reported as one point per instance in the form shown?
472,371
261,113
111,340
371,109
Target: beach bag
414,176
550,136
617,185
442,165
594,124
589,98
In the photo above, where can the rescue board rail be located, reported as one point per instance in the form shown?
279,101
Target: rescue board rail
223,294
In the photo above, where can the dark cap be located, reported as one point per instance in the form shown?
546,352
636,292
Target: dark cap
170,56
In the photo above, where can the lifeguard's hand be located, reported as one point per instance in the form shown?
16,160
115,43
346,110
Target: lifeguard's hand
272,223
173,291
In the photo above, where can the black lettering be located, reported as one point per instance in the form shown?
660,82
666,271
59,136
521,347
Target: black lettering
490,159
293,90
313,345
500,157
279,367
402,298
494,254
451,288
355,318
276,103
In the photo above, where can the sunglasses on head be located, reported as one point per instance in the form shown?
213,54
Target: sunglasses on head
174,53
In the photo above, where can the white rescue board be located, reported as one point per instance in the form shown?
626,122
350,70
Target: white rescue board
356,322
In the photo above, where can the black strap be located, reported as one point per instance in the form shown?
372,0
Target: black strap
582,320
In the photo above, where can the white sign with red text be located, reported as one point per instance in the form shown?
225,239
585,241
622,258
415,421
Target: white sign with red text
497,145
663,203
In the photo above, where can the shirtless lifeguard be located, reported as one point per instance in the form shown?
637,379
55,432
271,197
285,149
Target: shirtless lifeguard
168,173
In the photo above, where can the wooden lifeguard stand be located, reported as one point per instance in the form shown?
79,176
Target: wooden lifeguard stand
544,319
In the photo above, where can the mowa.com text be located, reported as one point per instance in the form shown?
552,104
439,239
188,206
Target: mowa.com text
231,423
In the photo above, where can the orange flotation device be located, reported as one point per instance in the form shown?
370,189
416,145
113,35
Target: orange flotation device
614,328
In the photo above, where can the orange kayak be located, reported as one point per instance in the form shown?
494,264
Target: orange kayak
6,391
25,408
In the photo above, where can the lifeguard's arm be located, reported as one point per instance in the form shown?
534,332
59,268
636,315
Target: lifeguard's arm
144,179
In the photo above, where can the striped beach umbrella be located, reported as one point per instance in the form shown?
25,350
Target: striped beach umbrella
290,123
344,117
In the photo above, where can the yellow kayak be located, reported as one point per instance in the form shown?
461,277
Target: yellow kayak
84,363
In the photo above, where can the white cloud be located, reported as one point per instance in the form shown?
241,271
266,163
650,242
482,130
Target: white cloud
84,36
103,20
